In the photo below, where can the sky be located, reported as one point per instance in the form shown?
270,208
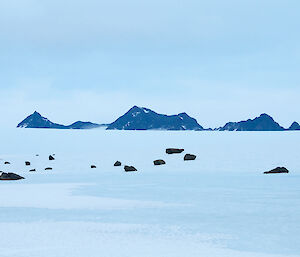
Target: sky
92,60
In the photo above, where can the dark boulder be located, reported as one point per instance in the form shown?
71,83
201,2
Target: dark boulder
51,158
48,168
117,163
129,168
189,157
159,162
32,170
277,170
27,163
93,167
174,150
10,176
6,162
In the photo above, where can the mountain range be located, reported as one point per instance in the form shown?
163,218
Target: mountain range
140,118
262,123
36,120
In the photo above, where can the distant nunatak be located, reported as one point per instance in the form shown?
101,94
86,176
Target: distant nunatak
140,118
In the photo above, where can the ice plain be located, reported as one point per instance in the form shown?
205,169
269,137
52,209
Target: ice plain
221,204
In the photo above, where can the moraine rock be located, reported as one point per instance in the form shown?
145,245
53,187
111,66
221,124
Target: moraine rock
93,167
277,170
51,158
129,168
189,157
117,164
10,176
27,163
174,150
159,162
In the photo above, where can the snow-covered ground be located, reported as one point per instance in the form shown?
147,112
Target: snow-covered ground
218,205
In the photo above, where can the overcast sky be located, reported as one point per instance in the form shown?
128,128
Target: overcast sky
92,60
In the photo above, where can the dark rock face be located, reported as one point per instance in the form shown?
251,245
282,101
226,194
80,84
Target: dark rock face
27,163
139,118
51,158
10,176
294,126
129,168
36,120
6,162
159,162
277,170
174,150
49,168
262,123
117,164
93,167
83,125
32,170
189,157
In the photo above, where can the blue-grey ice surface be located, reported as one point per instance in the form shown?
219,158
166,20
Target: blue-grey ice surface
221,204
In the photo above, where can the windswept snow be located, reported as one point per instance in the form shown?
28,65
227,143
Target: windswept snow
218,205
146,110
134,114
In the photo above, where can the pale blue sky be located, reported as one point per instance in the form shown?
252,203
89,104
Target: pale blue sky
92,60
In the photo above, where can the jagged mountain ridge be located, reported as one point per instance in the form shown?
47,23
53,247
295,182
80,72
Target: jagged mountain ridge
36,120
141,118
262,123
